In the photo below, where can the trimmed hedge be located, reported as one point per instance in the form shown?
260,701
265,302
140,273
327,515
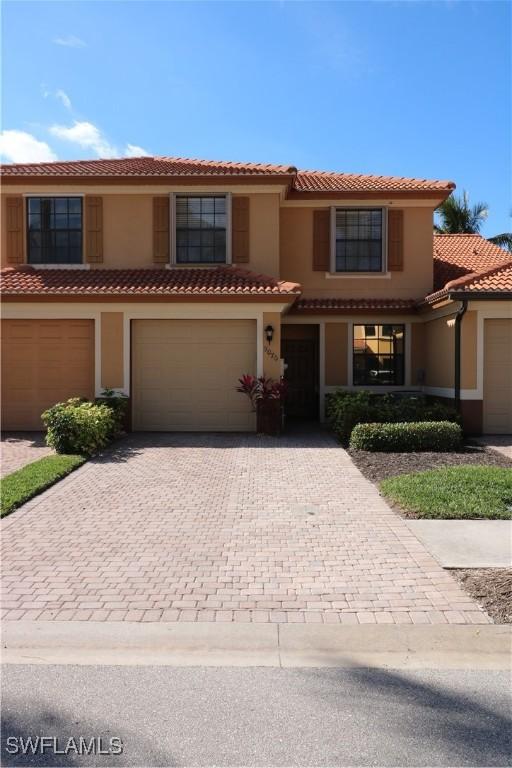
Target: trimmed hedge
346,409
79,427
407,436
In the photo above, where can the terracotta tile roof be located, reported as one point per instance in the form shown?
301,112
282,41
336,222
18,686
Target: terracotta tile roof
469,263
458,255
300,181
349,305
145,166
495,280
324,181
218,282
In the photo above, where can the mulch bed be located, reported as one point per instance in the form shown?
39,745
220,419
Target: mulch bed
379,466
491,588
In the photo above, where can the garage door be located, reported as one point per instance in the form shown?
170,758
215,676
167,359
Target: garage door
498,377
184,374
43,362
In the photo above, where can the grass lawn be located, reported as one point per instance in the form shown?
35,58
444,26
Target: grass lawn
463,492
27,482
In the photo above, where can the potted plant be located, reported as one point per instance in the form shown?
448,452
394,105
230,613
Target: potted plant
266,396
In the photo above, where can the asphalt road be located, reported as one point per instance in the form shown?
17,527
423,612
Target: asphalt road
198,716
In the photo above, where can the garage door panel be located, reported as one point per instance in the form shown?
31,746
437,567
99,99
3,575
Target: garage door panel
44,362
498,376
185,373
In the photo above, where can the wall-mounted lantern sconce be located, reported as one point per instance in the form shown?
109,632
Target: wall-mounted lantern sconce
269,333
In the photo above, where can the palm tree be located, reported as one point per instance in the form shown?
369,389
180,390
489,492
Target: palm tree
457,216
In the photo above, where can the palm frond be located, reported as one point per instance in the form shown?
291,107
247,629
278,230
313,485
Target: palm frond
456,216
503,241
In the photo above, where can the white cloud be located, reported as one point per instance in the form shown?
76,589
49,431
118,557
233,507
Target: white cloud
63,97
70,41
132,150
86,135
22,147
58,94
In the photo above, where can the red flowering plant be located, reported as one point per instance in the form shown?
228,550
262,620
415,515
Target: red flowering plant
261,389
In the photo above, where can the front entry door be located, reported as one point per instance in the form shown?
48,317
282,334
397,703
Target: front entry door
301,374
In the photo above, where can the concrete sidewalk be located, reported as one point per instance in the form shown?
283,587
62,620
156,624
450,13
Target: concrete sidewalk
284,645
466,543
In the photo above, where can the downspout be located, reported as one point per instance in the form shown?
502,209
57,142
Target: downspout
458,321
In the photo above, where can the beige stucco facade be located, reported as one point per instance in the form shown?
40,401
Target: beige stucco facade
413,282
128,224
281,246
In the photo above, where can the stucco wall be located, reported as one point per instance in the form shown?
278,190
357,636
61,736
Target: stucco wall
439,357
336,341
415,281
112,357
128,230
272,350
439,352
264,234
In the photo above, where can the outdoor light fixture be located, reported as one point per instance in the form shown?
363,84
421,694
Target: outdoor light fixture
269,333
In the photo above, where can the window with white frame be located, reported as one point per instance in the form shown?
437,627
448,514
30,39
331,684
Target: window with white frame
378,355
359,240
201,229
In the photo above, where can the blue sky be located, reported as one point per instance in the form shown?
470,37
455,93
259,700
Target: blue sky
402,88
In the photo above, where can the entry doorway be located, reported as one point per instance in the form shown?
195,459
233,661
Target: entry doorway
300,351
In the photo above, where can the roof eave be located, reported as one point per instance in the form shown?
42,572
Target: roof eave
480,295
189,180
282,298
354,310
436,195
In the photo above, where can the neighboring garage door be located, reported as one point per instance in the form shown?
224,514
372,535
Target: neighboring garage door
184,374
498,377
44,362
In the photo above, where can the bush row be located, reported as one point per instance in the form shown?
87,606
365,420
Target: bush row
79,426
346,409
407,436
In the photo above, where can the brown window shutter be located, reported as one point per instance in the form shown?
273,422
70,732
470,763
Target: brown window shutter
395,241
322,241
240,229
14,217
161,239
93,229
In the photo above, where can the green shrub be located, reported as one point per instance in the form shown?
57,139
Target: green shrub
118,403
407,436
346,409
78,426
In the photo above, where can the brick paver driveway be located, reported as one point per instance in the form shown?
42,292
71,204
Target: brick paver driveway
20,448
211,527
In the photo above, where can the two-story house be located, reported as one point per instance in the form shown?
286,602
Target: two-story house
167,279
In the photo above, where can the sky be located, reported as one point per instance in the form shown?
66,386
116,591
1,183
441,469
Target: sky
402,88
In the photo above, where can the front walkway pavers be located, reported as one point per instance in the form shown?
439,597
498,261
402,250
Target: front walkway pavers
220,527
17,449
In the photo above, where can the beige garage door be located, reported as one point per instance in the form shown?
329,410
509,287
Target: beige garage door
184,374
498,377
43,362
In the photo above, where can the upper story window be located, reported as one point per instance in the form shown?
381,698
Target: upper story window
201,226
54,230
378,355
359,240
